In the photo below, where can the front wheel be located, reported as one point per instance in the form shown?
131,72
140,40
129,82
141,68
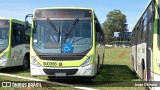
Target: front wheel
144,75
25,63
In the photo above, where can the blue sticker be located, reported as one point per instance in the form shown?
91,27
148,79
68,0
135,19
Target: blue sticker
67,48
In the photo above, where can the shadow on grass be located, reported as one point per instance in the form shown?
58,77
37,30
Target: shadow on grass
13,70
110,75
116,73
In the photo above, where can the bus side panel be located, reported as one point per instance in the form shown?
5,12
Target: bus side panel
17,53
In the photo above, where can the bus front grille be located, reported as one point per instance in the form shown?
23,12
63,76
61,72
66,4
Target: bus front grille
67,71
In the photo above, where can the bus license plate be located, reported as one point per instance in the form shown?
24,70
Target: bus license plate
60,74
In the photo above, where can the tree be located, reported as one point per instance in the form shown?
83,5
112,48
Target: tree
115,22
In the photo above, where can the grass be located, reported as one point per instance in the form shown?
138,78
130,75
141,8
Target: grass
117,71
117,65
115,75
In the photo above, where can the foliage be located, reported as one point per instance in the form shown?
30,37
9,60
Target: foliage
115,22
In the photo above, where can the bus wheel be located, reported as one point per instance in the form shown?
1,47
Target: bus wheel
144,75
25,63
143,71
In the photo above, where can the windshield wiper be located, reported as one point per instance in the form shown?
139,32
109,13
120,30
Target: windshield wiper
54,27
52,24
59,33
72,25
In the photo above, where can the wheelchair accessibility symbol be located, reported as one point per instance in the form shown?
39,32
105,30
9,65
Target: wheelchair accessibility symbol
67,48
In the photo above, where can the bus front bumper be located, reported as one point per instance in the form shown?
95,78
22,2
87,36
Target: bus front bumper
88,70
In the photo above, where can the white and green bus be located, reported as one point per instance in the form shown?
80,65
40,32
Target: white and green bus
145,44
14,43
66,42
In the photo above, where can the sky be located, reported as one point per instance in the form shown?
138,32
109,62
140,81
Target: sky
18,9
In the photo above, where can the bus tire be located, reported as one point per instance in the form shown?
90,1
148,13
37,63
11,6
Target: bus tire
25,63
144,75
143,72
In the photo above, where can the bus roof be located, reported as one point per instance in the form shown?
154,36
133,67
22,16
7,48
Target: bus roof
13,20
142,14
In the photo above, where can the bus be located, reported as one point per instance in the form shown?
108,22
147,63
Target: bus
66,42
145,44
14,43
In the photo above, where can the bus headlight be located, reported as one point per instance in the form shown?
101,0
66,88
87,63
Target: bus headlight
4,56
87,62
35,62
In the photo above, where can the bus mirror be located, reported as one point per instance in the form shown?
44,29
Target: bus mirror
26,21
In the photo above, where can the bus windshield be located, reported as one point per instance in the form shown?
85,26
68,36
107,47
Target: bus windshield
62,36
4,33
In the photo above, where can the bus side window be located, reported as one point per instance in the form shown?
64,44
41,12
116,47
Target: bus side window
139,32
98,33
101,35
144,28
27,35
134,39
16,34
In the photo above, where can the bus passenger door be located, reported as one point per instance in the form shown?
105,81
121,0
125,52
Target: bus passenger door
16,47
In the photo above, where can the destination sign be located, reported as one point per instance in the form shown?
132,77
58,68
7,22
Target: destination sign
62,13
4,22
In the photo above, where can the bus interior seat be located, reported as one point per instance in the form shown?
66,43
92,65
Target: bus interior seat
78,40
80,44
